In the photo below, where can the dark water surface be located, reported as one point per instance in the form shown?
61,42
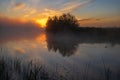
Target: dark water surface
80,57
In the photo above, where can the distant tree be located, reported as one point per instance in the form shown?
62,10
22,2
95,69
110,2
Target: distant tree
65,22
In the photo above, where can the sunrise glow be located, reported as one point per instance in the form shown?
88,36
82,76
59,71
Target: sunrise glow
101,12
41,22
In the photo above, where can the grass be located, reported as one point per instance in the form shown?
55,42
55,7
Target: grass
15,69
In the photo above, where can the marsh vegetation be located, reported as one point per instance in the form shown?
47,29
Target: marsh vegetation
15,69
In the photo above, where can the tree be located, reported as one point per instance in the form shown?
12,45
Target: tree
65,22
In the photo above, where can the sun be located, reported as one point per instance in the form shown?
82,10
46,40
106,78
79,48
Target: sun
42,22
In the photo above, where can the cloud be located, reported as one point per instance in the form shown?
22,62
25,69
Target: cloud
88,22
19,6
32,12
71,6
21,9
65,8
52,12
16,6
12,2
90,19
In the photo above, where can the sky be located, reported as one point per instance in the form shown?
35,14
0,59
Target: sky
96,13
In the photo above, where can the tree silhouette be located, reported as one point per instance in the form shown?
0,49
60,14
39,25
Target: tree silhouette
65,22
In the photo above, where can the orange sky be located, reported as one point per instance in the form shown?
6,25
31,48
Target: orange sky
95,13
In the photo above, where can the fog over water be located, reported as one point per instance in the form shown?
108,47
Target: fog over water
74,52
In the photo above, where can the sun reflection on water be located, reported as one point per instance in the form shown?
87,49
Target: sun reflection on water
42,39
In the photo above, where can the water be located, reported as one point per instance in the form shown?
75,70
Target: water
75,56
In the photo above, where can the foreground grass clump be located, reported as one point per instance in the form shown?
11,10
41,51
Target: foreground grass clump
15,69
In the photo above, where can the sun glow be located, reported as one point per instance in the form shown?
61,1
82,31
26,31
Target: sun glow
42,39
42,22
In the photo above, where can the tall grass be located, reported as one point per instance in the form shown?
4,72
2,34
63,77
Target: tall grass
16,69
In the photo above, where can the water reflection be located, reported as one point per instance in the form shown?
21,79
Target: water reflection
86,48
18,36
41,39
67,44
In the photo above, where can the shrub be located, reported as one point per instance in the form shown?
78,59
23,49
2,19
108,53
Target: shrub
65,22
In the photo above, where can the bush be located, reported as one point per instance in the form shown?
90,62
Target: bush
65,22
